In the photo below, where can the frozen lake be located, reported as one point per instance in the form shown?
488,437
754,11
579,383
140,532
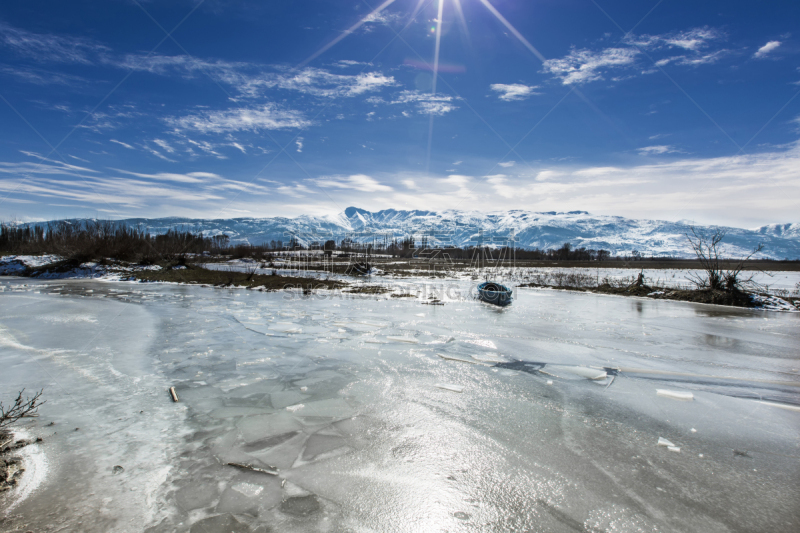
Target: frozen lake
384,414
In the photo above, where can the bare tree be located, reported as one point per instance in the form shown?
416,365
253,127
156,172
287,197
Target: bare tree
709,252
20,408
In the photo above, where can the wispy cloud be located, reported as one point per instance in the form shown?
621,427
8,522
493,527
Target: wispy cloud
191,177
265,117
426,103
126,145
50,48
251,80
766,49
247,79
657,150
158,154
511,92
694,39
507,164
110,118
583,65
39,76
164,145
358,182
205,147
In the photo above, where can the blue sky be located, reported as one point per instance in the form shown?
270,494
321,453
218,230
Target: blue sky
224,108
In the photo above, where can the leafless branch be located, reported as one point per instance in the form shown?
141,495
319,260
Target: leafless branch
20,408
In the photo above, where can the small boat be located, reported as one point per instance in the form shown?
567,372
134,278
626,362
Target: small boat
494,293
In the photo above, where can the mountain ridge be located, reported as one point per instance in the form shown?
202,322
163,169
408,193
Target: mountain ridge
531,229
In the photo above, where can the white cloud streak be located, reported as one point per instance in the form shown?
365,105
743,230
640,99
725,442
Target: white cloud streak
358,182
766,49
582,66
265,117
512,92
426,103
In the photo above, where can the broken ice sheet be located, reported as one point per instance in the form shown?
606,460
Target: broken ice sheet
253,428
334,408
286,398
580,371
450,387
397,338
248,489
285,327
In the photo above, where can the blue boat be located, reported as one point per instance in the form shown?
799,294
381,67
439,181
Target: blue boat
494,293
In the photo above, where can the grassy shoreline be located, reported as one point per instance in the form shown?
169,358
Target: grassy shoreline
705,296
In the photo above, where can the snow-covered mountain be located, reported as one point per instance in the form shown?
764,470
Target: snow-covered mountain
463,228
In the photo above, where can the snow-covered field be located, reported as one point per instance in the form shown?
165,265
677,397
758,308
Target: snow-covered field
563,412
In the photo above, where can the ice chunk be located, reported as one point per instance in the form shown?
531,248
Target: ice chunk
335,407
782,406
223,522
675,395
319,444
295,407
490,358
248,489
674,449
460,359
317,377
410,340
286,398
549,381
300,505
584,372
450,387
664,442
285,327
196,495
231,412
693,430
294,490
259,427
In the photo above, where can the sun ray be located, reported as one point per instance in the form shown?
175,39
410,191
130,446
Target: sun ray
462,22
439,15
513,30
438,44
345,33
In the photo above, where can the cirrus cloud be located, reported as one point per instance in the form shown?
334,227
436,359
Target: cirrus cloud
511,92
265,117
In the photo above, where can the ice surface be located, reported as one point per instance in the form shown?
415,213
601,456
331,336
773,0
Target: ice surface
675,395
584,372
259,427
450,387
395,338
361,436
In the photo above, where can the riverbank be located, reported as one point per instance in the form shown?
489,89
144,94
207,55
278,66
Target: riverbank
705,296
665,284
